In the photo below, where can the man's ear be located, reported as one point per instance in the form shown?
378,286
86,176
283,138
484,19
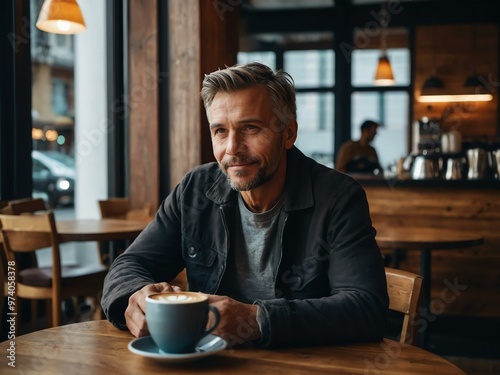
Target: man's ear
290,134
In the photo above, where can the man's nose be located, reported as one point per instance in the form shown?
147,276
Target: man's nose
234,143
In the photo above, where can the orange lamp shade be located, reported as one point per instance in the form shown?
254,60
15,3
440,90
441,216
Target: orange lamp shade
384,75
61,17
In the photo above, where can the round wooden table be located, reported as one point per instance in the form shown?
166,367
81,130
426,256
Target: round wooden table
98,229
107,231
99,348
425,240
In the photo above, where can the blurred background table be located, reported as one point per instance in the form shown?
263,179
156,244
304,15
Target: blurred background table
425,240
99,229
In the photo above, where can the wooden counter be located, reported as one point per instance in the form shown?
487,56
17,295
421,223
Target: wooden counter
471,206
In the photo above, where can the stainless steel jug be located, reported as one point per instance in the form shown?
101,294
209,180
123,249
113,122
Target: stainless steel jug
495,156
455,168
477,158
424,167
451,142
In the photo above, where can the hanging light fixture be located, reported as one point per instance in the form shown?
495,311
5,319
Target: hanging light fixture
432,90
61,17
383,75
475,82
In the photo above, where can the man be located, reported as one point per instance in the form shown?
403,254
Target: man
284,246
359,156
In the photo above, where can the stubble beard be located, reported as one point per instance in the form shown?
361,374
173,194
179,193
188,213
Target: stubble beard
260,177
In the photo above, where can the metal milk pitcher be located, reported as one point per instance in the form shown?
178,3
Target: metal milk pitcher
454,168
477,159
496,163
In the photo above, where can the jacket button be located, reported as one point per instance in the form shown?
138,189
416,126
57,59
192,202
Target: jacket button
191,251
296,282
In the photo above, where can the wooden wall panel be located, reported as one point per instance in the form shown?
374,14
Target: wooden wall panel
453,53
203,37
219,41
143,103
184,66
475,210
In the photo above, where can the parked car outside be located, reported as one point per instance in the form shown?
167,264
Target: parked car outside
54,177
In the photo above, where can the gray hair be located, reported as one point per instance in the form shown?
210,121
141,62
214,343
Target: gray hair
278,83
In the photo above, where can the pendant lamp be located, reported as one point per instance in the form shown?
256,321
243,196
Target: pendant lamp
383,75
474,89
476,82
61,17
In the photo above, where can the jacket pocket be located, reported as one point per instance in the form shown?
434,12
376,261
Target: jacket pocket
200,266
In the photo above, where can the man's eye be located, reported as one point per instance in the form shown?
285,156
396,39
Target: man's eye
219,131
250,127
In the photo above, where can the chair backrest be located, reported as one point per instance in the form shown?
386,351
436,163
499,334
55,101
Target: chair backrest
115,208
120,208
404,296
24,205
27,233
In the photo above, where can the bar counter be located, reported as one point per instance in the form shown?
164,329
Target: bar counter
464,205
367,180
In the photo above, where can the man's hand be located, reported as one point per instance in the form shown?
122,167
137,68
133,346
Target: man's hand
135,314
238,321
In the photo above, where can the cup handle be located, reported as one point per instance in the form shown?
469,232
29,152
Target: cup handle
217,319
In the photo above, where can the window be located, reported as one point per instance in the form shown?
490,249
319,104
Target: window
311,63
61,97
310,69
388,105
390,109
364,64
267,58
313,75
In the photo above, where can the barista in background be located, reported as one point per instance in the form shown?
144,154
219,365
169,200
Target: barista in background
359,156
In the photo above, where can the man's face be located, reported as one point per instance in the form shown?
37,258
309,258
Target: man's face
372,132
247,141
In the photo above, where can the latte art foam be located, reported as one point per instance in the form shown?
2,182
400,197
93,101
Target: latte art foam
178,297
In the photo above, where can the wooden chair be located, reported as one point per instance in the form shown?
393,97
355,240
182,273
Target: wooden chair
120,208
404,296
23,234
18,207
24,205
115,208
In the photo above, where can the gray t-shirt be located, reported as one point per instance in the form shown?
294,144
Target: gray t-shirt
252,267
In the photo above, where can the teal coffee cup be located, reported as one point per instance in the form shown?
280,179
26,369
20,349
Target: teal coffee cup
178,320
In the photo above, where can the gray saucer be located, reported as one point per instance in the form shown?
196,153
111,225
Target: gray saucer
146,347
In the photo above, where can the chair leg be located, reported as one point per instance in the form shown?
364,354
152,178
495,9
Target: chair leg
34,314
48,313
98,313
56,312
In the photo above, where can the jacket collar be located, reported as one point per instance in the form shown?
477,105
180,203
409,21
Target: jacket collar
298,184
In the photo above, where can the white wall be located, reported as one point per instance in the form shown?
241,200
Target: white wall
91,128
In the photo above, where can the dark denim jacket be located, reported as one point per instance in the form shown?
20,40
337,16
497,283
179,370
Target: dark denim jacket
331,285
